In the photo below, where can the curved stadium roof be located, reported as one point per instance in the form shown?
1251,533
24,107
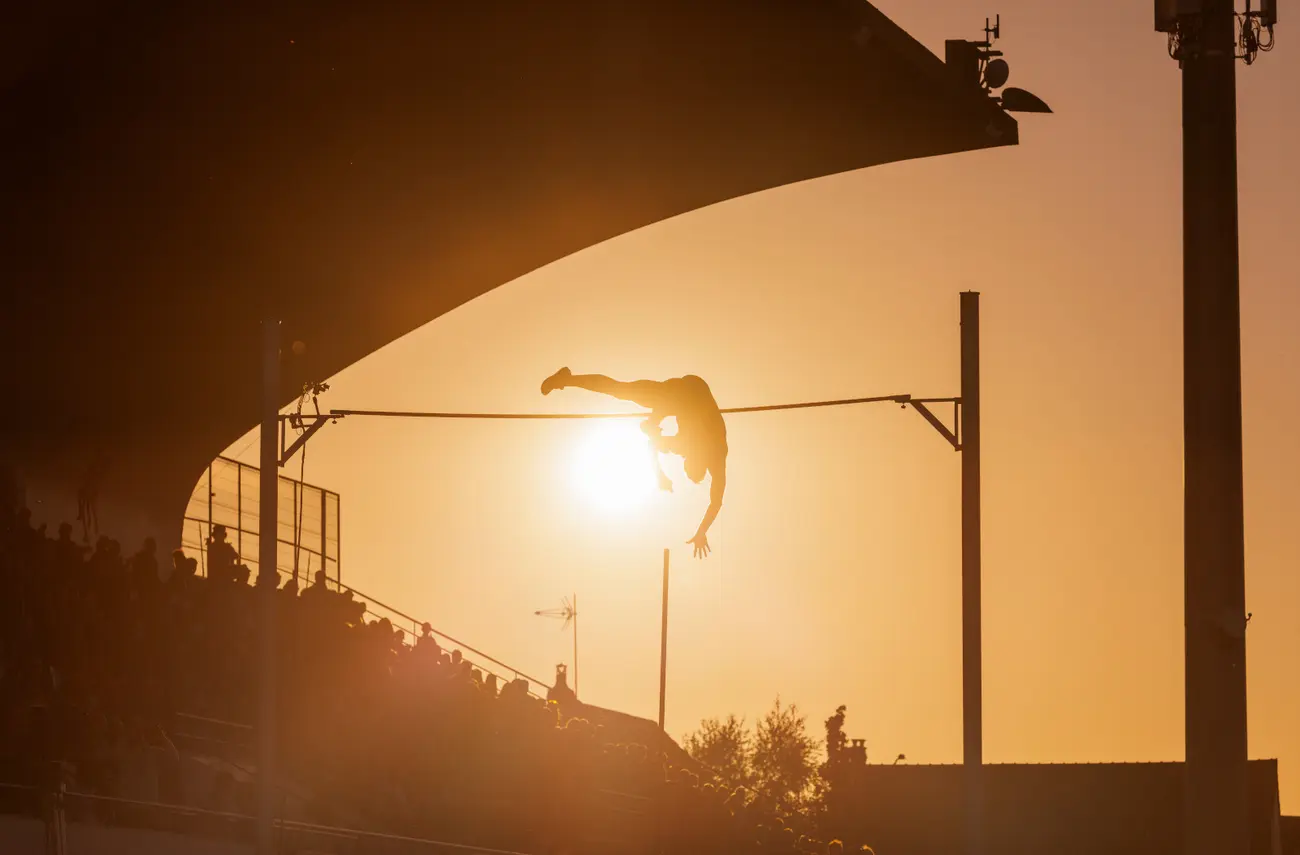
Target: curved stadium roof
173,171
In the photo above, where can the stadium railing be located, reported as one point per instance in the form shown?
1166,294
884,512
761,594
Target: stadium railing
63,808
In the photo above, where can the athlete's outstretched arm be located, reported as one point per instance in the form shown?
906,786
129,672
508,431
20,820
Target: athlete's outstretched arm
716,489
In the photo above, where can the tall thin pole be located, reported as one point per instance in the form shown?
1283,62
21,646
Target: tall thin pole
296,488
267,544
211,489
1216,808
575,645
971,639
663,646
324,527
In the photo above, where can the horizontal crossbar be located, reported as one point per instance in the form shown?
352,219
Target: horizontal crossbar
766,408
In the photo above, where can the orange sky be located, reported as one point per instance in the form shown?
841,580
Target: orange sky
835,576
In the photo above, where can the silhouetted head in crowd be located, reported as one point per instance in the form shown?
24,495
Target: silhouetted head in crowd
321,578
219,534
242,572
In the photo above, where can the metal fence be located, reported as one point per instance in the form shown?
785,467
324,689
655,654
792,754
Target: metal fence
228,495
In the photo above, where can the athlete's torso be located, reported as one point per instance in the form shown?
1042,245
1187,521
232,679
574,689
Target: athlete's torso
700,427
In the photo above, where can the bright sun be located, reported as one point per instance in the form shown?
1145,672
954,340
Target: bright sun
613,468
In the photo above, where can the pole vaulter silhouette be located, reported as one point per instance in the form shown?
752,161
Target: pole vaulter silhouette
701,438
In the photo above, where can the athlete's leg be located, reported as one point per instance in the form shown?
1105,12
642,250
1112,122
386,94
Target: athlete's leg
651,394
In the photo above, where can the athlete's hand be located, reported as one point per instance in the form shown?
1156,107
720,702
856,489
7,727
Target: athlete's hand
701,544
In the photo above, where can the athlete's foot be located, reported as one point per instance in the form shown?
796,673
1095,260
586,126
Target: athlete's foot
556,381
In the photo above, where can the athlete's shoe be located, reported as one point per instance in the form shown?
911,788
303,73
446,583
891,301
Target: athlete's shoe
556,381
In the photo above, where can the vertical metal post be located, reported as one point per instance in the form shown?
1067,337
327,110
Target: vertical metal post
239,509
324,527
971,637
211,489
1214,602
267,543
296,488
663,646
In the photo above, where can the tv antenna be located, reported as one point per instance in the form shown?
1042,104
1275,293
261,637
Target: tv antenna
567,612
993,33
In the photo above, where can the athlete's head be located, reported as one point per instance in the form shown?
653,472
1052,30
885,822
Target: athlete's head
696,468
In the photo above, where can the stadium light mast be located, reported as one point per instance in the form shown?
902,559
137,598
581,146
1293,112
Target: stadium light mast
1207,37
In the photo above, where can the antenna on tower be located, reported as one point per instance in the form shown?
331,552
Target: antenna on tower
567,612
978,64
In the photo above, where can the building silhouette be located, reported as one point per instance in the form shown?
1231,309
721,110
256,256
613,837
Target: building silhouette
1116,808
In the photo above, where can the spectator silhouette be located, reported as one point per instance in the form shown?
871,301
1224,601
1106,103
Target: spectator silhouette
68,553
222,557
318,591
144,566
427,648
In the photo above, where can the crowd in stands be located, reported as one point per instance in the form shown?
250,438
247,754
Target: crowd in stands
101,651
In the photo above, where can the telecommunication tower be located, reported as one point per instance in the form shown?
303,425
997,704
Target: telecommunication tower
1207,37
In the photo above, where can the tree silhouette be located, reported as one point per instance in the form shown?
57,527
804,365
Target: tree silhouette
725,747
785,756
777,758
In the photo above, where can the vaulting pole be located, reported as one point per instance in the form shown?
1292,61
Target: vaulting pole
268,542
971,640
663,646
